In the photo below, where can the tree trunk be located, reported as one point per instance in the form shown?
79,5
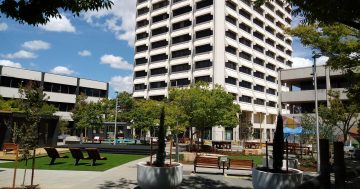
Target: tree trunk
26,162
33,169
15,165
345,137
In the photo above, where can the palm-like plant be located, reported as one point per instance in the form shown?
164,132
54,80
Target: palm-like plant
161,155
278,148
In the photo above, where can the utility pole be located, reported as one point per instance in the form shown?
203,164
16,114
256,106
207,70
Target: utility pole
315,56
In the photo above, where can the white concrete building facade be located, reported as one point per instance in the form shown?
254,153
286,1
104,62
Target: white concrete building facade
61,90
225,42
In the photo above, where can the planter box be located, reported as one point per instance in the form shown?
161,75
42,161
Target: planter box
268,180
149,177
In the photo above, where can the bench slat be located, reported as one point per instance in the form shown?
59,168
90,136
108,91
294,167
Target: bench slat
240,164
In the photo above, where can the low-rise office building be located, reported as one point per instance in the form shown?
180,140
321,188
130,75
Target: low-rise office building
301,95
61,90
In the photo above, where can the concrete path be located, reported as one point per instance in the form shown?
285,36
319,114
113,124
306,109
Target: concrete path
124,176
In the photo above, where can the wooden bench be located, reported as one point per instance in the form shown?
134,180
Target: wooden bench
239,164
77,155
7,147
206,162
94,155
53,154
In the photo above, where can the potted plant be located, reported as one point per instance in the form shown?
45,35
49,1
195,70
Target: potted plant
276,178
159,174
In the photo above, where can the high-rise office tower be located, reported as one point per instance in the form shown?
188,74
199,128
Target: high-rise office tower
227,42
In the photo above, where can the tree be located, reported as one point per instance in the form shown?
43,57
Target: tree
87,114
36,12
78,113
32,102
63,126
206,106
325,11
145,115
341,44
245,127
339,114
309,128
175,117
278,145
126,104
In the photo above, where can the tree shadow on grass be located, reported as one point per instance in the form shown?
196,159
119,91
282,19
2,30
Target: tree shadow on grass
56,163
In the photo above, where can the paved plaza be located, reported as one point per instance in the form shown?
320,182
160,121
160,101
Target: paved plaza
124,176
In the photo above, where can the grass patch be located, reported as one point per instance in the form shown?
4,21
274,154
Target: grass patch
257,159
113,160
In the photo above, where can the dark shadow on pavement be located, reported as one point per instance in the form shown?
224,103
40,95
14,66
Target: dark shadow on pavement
121,183
201,182
189,182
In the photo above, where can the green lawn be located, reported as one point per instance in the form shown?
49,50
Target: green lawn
113,160
257,159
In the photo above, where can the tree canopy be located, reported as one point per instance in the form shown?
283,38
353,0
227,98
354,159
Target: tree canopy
325,11
87,114
145,114
206,106
340,116
338,42
36,12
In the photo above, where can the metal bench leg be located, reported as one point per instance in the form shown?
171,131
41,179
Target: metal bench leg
93,162
194,169
52,161
77,161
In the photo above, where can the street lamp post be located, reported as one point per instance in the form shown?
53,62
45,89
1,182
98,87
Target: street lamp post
116,111
177,141
315,56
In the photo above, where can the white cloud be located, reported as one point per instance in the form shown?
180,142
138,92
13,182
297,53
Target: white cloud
62,24
120,20
299,62
3,26
62,70
84,53
115,62
10,63
20,54
322,60
122,83
36,45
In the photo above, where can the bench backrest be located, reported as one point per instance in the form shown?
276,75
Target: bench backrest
9,146
240,163
93,153
52,152
76,153
207,160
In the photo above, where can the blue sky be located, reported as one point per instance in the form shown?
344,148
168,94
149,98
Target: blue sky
96,45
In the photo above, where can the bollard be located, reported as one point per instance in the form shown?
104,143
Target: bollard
324,163
339,165
267,155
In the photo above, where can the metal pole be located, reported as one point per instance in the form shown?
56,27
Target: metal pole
177,142
116,111
317,115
